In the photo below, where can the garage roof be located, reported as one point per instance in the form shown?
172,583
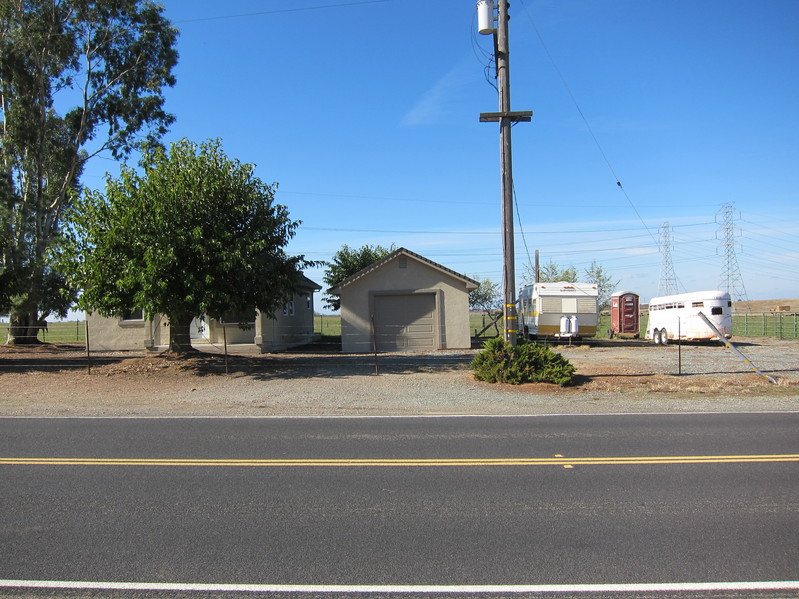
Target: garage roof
471,284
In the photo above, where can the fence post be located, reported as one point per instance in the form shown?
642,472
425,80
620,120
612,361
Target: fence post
88,350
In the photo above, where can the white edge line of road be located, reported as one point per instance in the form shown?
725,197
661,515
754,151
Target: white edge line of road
408,589
397,416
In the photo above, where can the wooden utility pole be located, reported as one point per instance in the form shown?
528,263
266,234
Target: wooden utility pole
506,118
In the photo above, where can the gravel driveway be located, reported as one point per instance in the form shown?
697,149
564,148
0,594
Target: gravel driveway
613,377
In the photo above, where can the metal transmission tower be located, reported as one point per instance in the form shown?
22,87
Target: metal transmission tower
668,281
730,280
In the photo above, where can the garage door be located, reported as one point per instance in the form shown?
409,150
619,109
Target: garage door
405,322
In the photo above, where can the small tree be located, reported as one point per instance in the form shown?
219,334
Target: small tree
195,234
603,281
346,262
486,298
552,272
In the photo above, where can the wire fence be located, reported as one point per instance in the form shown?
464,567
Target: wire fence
55,332
778,325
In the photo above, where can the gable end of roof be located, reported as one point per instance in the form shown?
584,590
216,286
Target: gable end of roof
470,283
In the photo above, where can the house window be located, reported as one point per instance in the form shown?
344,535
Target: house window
288,308
240,317
134,314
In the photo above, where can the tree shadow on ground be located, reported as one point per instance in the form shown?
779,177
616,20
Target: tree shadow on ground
50,357
301,366
301,363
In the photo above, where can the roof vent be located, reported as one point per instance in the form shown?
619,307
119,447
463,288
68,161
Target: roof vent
403,261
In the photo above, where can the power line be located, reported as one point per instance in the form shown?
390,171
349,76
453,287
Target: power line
486,232
281,10
584,119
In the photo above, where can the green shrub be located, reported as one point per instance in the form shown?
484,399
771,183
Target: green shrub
528,362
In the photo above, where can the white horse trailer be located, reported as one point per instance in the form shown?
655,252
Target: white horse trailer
559,309
674,317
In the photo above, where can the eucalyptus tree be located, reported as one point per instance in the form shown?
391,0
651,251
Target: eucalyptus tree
77,78
191,233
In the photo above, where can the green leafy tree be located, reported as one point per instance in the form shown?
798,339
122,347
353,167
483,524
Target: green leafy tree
195,234
487,297
107,62
552,272
603,281
596,274
346,262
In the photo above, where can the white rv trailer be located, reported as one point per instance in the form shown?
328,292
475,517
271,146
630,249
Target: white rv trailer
673,317
559,309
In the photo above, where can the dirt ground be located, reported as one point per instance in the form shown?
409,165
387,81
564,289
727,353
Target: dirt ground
59,380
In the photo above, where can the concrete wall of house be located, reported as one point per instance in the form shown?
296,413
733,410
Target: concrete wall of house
452,303
290,327
230,332
112,334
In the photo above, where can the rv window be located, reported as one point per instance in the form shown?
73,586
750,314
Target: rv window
698,304
716,310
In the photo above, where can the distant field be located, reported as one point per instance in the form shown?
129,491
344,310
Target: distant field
57,332
752,319
328,325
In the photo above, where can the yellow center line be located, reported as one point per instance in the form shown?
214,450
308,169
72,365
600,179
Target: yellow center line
426,462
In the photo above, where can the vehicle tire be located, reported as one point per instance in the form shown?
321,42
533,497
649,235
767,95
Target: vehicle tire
664,337
656,337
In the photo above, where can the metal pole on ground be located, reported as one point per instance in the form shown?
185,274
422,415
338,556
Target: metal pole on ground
727,343
88,352
224,341
374,345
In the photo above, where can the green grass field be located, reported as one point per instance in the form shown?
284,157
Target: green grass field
57,332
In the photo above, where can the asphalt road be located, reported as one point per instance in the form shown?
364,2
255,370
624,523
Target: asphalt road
507,504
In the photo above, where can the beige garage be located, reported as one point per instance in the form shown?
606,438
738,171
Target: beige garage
405,302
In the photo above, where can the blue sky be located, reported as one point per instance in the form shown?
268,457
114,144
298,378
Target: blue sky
366,114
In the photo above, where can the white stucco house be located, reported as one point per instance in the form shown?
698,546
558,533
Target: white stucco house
289,327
